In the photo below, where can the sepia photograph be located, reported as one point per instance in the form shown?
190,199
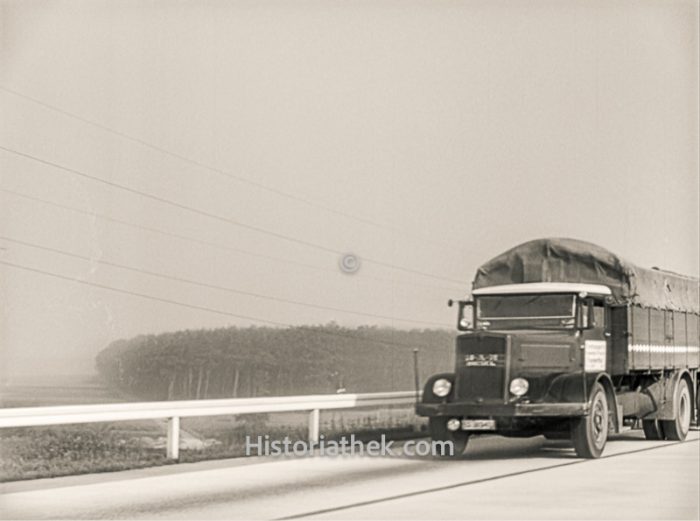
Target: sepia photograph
350,259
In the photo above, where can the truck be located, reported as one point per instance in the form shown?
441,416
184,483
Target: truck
565,339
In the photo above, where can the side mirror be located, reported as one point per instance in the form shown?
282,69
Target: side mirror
591,313
466,316
586,313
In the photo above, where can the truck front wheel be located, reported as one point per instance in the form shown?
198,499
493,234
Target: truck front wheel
590,433
440,433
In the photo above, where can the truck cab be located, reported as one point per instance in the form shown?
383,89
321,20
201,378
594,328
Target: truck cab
564,339
521,362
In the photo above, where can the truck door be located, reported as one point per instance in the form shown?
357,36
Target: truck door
596,342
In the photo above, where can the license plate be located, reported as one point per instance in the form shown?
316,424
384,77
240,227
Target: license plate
479,425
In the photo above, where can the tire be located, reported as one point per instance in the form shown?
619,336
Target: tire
439,432
677,429
590,433
652,430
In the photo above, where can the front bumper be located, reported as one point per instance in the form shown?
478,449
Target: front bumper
532,410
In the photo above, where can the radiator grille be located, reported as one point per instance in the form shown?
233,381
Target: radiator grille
481,367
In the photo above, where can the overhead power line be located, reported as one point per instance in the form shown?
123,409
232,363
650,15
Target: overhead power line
218,245
142,295
104,217
215,286
218,217
196,307
221,172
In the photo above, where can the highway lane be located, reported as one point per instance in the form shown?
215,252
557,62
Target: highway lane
497,478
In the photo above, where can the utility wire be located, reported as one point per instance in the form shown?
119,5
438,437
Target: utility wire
199,308
142,295
202,242
130,224
218,171
214,286
218,217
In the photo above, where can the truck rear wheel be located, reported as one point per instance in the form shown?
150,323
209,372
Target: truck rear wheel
440,433
677,429
590,433
652,430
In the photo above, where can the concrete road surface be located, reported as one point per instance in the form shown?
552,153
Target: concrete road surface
497,478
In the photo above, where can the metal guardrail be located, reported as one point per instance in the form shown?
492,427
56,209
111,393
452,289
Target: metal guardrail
173,411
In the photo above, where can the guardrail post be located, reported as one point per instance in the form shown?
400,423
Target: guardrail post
173,446
314,421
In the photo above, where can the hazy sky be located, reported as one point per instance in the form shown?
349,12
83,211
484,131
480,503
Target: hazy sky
431,135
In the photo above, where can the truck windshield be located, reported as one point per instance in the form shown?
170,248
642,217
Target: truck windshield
504,311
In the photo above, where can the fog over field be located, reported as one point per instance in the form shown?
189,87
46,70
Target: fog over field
423,137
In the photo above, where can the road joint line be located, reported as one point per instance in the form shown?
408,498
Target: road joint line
477,481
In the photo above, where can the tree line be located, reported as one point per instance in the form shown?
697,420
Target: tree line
238,362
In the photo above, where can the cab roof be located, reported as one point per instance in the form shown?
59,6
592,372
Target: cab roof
544,287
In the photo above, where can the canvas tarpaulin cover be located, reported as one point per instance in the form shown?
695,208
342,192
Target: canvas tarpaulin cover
570,260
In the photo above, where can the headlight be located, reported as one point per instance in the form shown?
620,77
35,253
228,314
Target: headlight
442,387
519,386
453,424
